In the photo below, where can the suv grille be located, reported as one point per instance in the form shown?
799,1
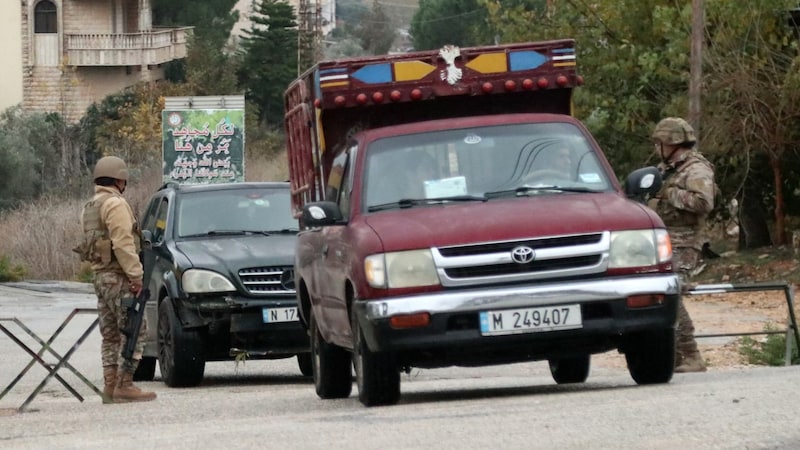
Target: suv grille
268,280
549,258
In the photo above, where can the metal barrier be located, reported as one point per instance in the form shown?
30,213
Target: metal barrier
62,361
791,327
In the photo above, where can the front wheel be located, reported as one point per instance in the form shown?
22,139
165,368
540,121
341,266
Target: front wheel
377,374
304,364
570,370
651,356
146,370
330,365
180,351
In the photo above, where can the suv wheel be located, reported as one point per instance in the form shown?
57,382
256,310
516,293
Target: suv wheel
570,370
377,374
304,363
180,354
146,370
651,356
330,366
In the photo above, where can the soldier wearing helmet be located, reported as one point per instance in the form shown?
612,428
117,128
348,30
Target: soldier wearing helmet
111,245
683,203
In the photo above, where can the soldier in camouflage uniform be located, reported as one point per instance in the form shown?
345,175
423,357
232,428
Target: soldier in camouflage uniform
683,203
111,245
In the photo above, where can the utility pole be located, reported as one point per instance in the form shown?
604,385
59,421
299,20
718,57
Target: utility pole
696,63
309,33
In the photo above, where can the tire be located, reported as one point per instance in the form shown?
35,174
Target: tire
146,370
570,370
377,374
330,366
305,365
180,352
651,357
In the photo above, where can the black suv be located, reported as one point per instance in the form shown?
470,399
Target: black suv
222,283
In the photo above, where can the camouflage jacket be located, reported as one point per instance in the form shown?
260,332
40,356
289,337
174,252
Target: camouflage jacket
686,198
123,232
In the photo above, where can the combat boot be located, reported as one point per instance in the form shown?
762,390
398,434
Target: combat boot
692,362
125,391
109,383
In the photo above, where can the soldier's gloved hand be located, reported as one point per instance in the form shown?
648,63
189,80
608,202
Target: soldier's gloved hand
136,287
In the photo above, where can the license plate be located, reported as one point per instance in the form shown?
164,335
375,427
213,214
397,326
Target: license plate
530,320
276,315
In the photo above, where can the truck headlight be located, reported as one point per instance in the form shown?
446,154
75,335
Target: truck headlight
196,281
401,269
638,248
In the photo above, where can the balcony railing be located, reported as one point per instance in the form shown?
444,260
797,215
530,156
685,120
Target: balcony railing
129,49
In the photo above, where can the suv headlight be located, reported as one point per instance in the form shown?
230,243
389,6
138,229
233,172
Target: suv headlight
196,281
401,269
638,248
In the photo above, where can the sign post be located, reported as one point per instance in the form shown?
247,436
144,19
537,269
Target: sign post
203,139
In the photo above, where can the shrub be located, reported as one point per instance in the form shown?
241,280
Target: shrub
9,271
770,351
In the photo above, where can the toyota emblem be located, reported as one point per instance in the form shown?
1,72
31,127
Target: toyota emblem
522,254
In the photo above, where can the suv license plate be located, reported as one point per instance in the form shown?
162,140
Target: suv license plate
275,315
530,320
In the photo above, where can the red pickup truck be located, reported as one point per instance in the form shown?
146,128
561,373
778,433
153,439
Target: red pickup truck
453,212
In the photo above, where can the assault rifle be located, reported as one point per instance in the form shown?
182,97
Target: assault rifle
135,305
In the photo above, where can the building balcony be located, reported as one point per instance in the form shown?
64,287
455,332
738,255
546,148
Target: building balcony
130,49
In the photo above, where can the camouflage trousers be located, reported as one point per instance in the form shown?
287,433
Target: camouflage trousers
685,259
111,288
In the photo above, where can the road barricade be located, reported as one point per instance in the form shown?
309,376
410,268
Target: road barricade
791,332
62,361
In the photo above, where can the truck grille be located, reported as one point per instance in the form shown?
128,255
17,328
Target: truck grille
268,280
538,259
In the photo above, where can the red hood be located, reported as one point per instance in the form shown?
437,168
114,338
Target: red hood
508,219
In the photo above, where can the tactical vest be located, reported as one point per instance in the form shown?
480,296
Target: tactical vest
96,245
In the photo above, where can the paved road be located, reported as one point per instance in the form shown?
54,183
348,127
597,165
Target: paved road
266,404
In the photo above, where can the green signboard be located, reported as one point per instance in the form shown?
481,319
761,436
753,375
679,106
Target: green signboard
203,145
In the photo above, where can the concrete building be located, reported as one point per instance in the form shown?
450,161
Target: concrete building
11,49
76,52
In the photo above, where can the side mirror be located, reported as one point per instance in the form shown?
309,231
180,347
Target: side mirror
641,182
147,239
319,214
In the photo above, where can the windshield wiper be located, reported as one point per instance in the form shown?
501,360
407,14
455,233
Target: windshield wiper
409,202
280,231
524,190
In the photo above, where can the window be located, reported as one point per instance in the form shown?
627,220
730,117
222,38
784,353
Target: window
45,17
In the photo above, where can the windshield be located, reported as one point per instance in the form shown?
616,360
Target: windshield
484,162
231,211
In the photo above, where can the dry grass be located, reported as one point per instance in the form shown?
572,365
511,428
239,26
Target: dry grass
40,236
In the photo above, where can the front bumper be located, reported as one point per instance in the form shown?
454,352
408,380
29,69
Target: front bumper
238,322
453,337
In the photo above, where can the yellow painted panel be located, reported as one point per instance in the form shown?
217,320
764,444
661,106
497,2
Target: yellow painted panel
334,84
411,70
489,63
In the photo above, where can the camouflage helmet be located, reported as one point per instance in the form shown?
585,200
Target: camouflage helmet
674,131
111,167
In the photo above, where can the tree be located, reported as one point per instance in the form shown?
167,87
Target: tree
753,88
269,58
377,31
442,22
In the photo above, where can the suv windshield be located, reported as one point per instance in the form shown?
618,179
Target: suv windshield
232,211
483,162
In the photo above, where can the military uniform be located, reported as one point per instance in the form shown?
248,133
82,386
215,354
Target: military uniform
683,203
111,246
